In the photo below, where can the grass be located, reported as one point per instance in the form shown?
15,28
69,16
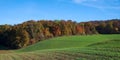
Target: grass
90,47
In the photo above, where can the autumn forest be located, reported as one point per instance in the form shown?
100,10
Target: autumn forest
30,32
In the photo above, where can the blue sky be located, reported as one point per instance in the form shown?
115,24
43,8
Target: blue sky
18,11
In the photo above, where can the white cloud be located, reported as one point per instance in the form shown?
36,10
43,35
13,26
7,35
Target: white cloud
101,4
81,1
78,1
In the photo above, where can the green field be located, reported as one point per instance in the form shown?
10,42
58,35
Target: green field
88,47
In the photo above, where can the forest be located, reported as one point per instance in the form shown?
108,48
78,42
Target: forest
30,32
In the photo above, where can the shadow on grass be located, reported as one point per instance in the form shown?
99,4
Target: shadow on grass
104,43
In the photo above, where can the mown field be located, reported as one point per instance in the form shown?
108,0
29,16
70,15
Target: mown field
89,47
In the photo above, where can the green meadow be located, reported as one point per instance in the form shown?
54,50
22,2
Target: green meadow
87,47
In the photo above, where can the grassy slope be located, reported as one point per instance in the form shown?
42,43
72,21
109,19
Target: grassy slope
70,48
69,42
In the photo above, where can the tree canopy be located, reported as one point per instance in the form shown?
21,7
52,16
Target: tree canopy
30,32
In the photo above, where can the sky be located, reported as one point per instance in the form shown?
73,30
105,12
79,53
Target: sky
18,11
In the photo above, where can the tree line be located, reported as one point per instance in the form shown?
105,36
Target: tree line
30,32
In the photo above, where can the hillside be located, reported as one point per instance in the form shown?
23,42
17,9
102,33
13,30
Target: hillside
90,47
60,30
30,32
69,42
